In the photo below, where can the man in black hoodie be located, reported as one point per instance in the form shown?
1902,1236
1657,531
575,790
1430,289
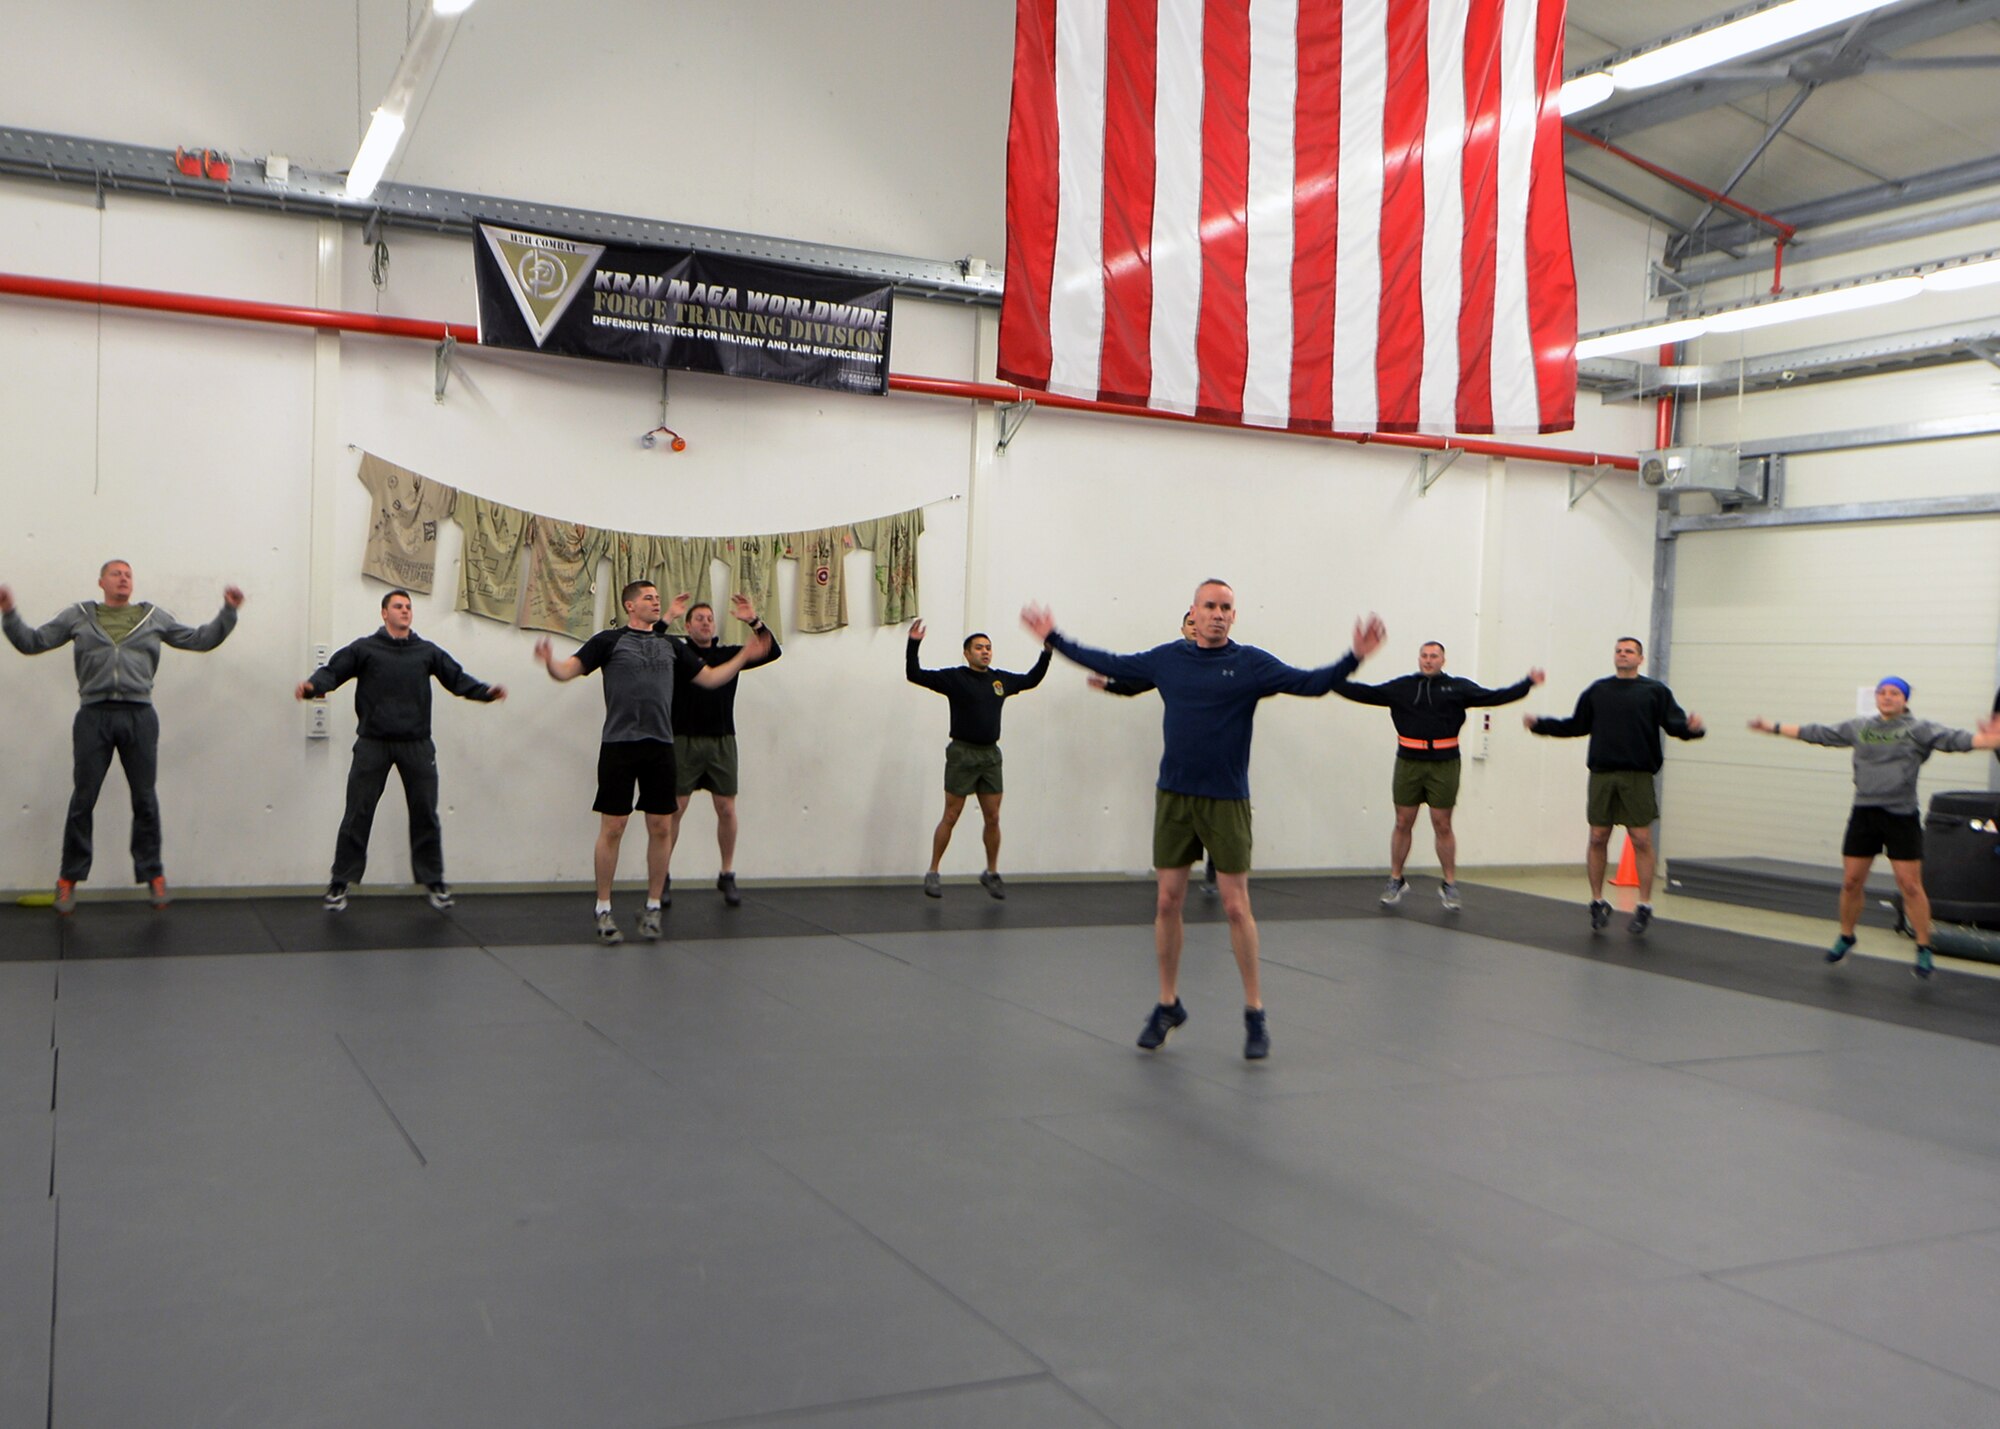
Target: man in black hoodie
1623,715
1428,709
394,668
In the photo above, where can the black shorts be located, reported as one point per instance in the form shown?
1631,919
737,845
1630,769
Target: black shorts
1873,831
647,762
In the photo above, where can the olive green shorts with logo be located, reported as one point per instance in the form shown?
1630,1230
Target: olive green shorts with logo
971,768
1185,824
1425,781
705,761
1622,797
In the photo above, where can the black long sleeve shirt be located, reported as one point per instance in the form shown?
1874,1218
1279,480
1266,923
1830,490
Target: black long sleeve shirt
711,712
1623,719
1430,707
392,691
975,695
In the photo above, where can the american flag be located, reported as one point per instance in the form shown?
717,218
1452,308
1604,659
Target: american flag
1338,215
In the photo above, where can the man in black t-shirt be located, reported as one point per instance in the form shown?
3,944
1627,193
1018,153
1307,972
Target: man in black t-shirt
1623,714
639,660
705,739
972,759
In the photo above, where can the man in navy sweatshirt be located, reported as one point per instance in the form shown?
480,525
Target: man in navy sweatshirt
1210,687
1623,715
393,669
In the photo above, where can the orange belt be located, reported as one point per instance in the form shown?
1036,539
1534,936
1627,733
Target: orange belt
1409,743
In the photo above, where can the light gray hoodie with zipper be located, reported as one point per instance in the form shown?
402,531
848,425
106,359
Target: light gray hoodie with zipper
108,669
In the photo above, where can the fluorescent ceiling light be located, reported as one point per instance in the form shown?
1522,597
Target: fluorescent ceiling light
1585,92
1631,340
1965,275
378,146
1813,305
451,7
1752,33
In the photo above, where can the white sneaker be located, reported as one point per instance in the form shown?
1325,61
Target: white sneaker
1392,892
1448,895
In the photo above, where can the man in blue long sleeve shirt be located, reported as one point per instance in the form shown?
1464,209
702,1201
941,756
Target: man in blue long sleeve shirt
1210,687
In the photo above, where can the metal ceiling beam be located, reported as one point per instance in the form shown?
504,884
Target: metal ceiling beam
1806,246
1863,357
130,168
1875,198
1777,127
1701,92
1626,200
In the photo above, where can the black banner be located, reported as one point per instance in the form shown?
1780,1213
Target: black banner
671,307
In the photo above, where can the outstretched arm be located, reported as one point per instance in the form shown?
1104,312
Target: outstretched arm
449,673
1020,683
1836,736
913,672
330,676
710,677
1478,696
1574,727
34,640
743,610
206,637
567,668
1041,623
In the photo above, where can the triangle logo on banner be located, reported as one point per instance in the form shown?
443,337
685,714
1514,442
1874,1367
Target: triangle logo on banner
544,274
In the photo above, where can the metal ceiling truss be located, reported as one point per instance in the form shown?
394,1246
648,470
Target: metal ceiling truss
129,168
1795,63
1808,246
1870,200
1619,380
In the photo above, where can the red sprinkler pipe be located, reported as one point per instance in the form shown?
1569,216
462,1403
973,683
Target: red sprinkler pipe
1663,412
63,290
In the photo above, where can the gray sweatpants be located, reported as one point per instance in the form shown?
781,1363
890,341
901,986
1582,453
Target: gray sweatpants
132,731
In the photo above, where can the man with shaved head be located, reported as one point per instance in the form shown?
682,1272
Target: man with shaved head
1428,709
1210,686
117,651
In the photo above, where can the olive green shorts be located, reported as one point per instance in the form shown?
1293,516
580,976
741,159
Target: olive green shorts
705,761
1185,824
1622,797
971,768
1425,781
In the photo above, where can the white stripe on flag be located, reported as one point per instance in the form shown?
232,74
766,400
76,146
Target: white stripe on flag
1357,282
1516,404
1076,296
1444,216
1267,278
1177,99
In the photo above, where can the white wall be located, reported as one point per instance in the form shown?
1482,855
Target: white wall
193,448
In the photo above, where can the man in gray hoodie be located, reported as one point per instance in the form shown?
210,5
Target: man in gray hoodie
1889,750
117,650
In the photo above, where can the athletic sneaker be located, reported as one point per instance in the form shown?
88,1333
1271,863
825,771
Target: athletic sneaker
65,895
1448,895
335,900
1842,946
1161,1023
1924,965
667,891
1256,1035
156,891
990,881
933,886
649,924
726,884
1600,915
439,897
1393,890
1208,887
1642,919
607,929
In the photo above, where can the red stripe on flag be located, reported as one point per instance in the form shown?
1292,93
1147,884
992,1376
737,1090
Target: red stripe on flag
1125,370
1399,343
1551,269
1220,339
1315,211
1033,149
1480,182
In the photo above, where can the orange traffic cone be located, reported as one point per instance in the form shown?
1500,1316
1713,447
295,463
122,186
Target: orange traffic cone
1627,875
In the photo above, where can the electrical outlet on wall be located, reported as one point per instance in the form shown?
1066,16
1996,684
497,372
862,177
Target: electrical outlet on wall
316,719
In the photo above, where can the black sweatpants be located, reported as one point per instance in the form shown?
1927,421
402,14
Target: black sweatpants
416,761
133,731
